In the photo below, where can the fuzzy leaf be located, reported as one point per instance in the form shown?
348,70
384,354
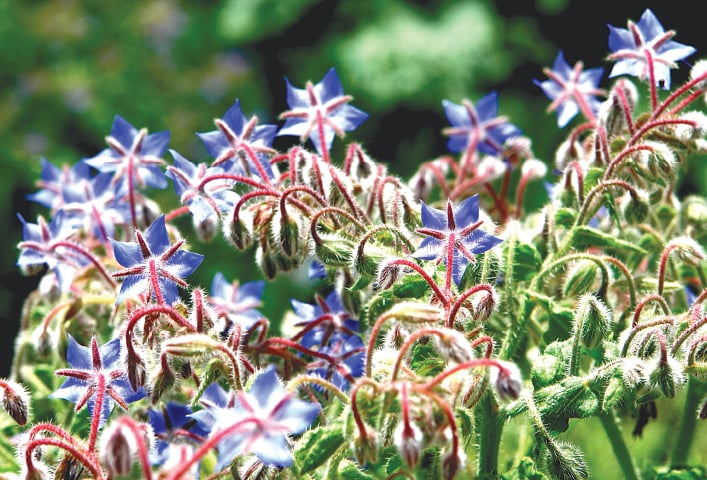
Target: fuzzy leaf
317,445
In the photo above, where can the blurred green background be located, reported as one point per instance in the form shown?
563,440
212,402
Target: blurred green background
68,66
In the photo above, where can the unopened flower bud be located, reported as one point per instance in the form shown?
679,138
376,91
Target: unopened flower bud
387,274
659,159
564,460
335,250
699,71
239,231
506,381
368,260
193,345
484,304
693,212
592,320
452,463
695,128
206,228
365,445
454,346
415,312
44,341
119,447
568,151
533,168
620,103
408,440
136,370
162,381
688,250
580,278
490,168
15,400
637,208
286,233
667,376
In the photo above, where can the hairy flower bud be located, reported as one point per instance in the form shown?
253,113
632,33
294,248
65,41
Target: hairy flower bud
592,319
688,250
193,345
667,376
415,312
636,210
695,128
365,445
506,381
408,440
452,463
533,168
620,103
119,446
699,70
206,228
15,400
387,274
564,460
659,160
239,231
335,250
286,232
580,278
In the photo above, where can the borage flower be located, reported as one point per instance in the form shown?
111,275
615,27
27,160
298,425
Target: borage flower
477,127
347,352
571,90
236,304
241,140
453,235
646,49
172,424
319,112
96,378
154,266
53,181
320,321
259,422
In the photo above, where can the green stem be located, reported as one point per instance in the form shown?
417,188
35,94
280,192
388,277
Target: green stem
618,445
681,449
489,427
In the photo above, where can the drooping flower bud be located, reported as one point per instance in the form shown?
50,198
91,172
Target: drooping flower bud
694,129
239,231
698,70
408,440
119,446
688,250
580,278
564,460
206,228
506,381
636,210
387,274
667,376
453,346
452,463
365,445
15,400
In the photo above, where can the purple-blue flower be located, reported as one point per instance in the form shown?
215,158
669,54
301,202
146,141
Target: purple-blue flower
644,46
319,112
202,189
241,142
50,244
454,233
259,422
154,266
346,360
477,126
96,374
236,304
133,155
571,89
320,321
172,423
53,181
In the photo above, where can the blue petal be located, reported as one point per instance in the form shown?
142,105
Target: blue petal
127,254
433,218
329,87
78,356
467,212
157,237
123,131
155,143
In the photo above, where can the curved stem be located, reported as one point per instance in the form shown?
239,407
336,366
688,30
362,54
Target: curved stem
618,445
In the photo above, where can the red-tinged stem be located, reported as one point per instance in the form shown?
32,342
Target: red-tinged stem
363,382
475,363
177,212
322,136
499,202
315,218
624,155
685,334
355,207
79,249
677,93
139,436
409,341
459,301
596,190
651,79
625,106
644,326
662,265
87,459
435,288
652,297
97,410
658,123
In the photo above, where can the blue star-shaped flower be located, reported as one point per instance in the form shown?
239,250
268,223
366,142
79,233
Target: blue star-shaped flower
236,303
50,244
53,181
320,321
348,352
645,45
93,370
133,154
238,139
154,266
205,198
478,126
172,424
324,107
259,422
453,232
571,90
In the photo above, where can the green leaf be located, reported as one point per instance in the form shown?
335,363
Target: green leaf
586,237
317,446
348,470
683,473
526,470
526,261
410,286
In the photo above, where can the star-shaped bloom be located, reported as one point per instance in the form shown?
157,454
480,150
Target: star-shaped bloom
95,205
571,89
259,422
96,373
172,424
236,304
53,181
453,233
477,125
645,45
133,154
51,245
200,188
320,321
320,109
241,143
154,266
345,362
